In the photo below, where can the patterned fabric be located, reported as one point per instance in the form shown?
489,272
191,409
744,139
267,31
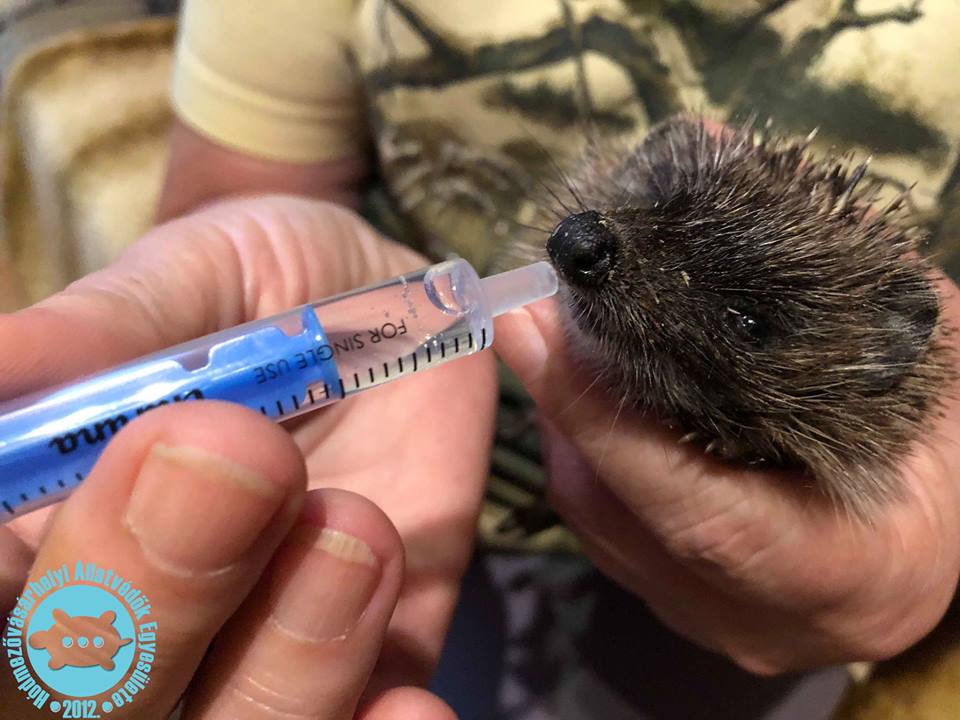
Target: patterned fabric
85,117
473,102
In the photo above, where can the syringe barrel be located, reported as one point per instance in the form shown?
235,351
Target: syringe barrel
281,366
379,334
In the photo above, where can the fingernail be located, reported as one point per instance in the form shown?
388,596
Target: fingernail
530,351
194,512
331,585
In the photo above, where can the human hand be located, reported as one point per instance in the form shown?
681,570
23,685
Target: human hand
235,262
740,560
203,509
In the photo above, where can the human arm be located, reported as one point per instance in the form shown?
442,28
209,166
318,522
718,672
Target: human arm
200,171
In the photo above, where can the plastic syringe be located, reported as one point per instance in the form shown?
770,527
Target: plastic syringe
282,366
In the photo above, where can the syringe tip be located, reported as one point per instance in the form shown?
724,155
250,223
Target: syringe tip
516,288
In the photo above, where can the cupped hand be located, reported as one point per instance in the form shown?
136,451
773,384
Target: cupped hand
219,267
745,562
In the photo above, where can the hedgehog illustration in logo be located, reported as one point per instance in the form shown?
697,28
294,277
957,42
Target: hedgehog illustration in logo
83,641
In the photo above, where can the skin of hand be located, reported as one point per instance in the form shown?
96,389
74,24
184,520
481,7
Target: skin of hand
746,562
233,482
200,170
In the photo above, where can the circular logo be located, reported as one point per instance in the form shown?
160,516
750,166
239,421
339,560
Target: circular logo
80,641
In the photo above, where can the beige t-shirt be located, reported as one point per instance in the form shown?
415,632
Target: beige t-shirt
276,83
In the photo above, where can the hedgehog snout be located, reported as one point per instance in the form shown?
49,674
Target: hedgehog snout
583,248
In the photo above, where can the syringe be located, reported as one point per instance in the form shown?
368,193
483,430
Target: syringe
282,366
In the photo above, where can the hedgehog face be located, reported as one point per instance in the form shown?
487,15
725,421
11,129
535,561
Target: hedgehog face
752,294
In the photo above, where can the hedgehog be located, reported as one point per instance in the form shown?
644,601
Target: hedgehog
757,299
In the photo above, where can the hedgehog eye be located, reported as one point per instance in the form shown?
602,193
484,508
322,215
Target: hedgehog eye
749,325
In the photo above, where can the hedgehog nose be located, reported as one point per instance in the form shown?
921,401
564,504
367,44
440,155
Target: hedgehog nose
582,248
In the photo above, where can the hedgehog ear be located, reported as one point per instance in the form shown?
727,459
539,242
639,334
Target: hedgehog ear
907,321
59,615
108,617
671,150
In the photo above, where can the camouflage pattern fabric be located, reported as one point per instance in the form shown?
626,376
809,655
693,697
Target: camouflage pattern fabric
83,135
463,129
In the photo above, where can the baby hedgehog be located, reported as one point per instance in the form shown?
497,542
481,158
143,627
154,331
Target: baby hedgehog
753,297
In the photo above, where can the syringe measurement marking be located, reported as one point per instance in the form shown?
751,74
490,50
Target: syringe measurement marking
329,352
296,402
43,491
312,397
414,357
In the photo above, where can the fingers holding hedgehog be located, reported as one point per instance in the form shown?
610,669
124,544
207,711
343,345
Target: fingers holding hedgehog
757,299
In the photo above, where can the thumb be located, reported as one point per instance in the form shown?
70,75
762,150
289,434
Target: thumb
533,343
570,392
